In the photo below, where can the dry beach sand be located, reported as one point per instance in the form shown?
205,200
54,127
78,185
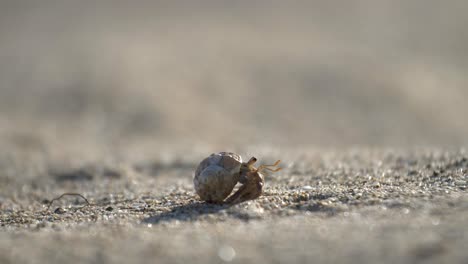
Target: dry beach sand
364,102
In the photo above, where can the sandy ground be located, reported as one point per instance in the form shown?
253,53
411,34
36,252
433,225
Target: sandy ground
364,102
353,206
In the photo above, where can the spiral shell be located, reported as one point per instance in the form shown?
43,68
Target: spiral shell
216,176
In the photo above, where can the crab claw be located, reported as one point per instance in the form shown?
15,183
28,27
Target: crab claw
250,190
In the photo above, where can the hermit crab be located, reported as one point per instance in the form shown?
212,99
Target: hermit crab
217,175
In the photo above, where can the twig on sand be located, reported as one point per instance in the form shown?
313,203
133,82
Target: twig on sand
68,194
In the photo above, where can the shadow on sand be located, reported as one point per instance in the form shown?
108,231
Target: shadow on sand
195,210
187,212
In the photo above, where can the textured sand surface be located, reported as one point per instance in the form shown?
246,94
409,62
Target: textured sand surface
364,102
353,206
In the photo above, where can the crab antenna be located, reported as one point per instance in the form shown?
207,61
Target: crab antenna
273,170
266,167
276,163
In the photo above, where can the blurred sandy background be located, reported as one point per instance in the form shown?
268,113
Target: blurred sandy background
228,73
365,103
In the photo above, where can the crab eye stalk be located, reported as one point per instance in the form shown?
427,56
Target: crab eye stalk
251,161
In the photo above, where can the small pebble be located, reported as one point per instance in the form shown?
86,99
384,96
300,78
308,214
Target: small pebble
60,210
